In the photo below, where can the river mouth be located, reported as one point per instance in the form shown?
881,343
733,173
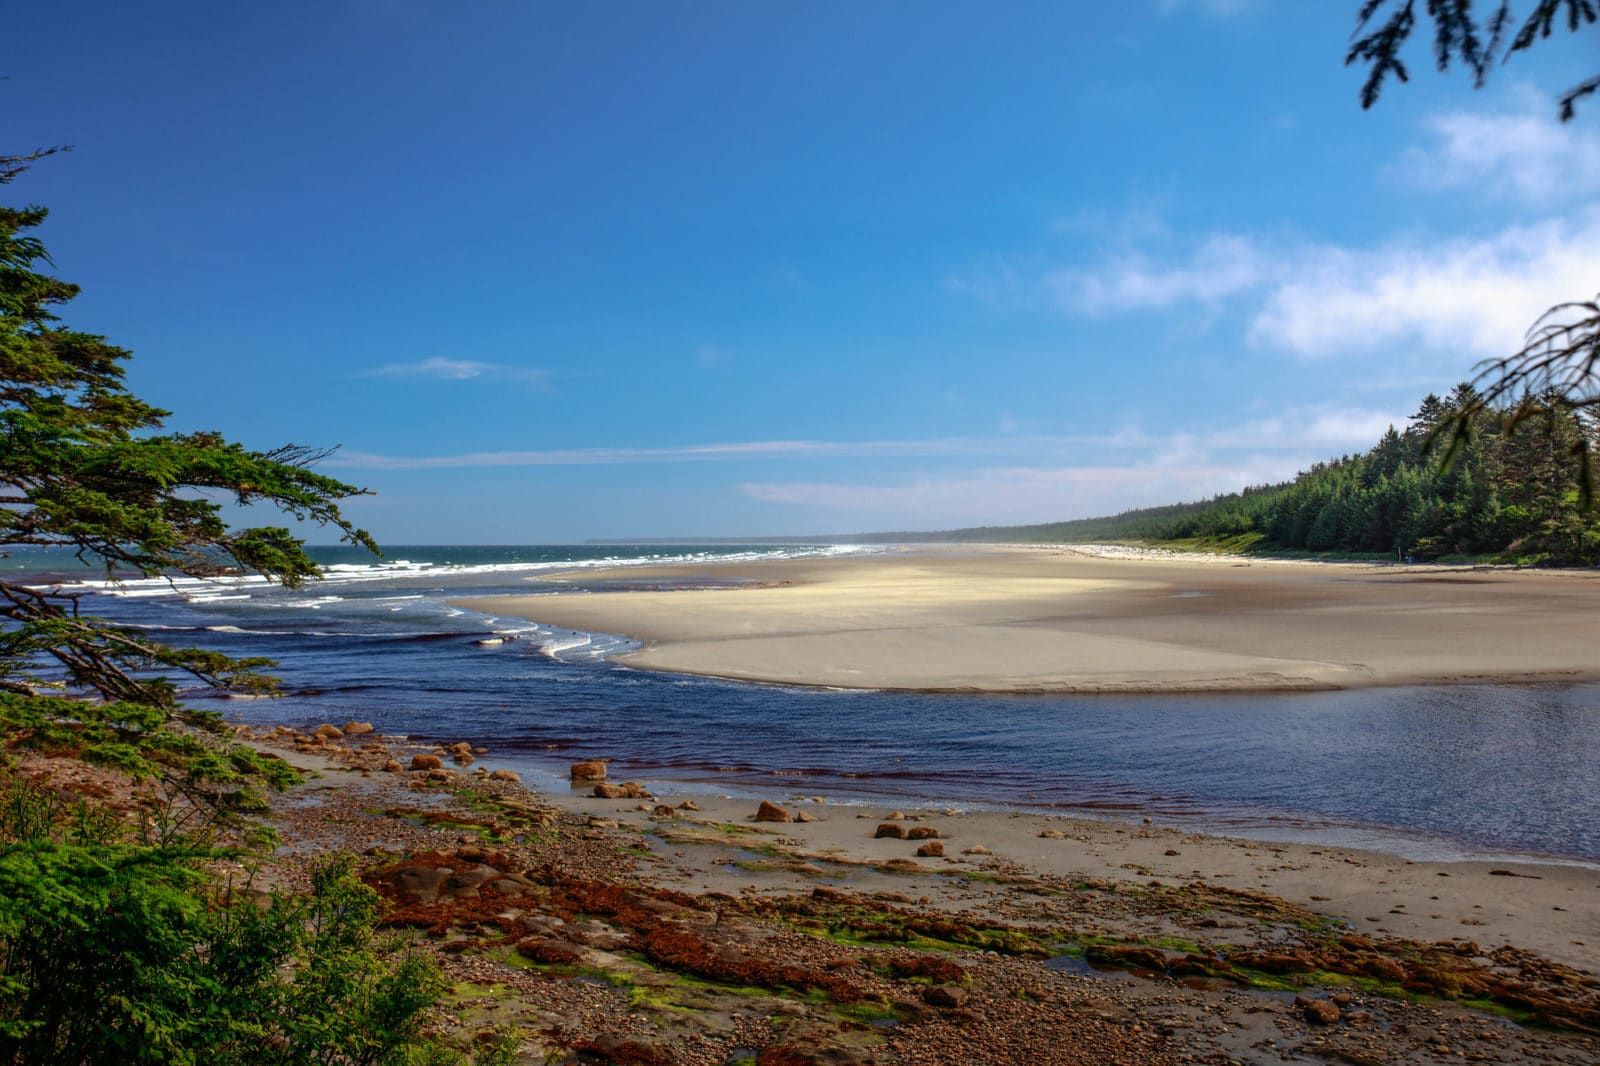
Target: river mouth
1427,772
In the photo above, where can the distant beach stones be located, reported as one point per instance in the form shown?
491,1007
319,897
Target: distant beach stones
589,770
771,812
1052,834
626,790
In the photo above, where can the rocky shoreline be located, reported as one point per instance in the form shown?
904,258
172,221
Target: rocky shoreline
615,927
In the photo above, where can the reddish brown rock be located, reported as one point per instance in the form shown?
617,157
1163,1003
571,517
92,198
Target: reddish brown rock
424,761
328,732
946,996
804,816
771,812
505,775
356,729
1317,1011
610,792
933,849
891,829
922,832
592,770
392,767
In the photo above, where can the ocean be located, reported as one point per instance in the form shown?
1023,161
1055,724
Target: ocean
1426,772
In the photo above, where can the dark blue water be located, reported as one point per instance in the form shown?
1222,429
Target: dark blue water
1427,771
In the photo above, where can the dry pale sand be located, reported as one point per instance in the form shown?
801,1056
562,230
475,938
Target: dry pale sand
1065,620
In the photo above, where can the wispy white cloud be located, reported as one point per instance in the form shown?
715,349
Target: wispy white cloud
1014,495
1026,479
1468,297
1472,298
442,369
1211,7
1523,154
690,453
1221,267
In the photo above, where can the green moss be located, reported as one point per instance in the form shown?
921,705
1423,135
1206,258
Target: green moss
869,1012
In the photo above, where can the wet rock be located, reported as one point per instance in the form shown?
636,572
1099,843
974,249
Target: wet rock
505,775
771,812
328,732
610,792
688,805
890,829
922,832
591,770
392,767
1127,957
933,849
424,761
1317,1011
462,758
356,729
419,882
663,810
946,996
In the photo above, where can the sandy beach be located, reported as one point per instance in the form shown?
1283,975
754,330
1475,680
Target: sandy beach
1072,620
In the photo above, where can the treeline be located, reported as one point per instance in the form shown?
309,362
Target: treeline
1507,494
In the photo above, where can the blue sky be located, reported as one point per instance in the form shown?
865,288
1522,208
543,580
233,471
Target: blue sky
554,271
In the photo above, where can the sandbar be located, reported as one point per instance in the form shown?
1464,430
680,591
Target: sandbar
1071,619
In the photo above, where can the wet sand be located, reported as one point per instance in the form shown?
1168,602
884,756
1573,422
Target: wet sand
1076,620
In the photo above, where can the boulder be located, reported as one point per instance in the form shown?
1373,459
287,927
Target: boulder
505,775
460,747
1052,834
895,816
946,996
933,849
392,767
1318,1011
328,732
890,829
462,758
424,761
976,849
592,770
771,812
356,729
922,832
688,805
610,792
804,816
